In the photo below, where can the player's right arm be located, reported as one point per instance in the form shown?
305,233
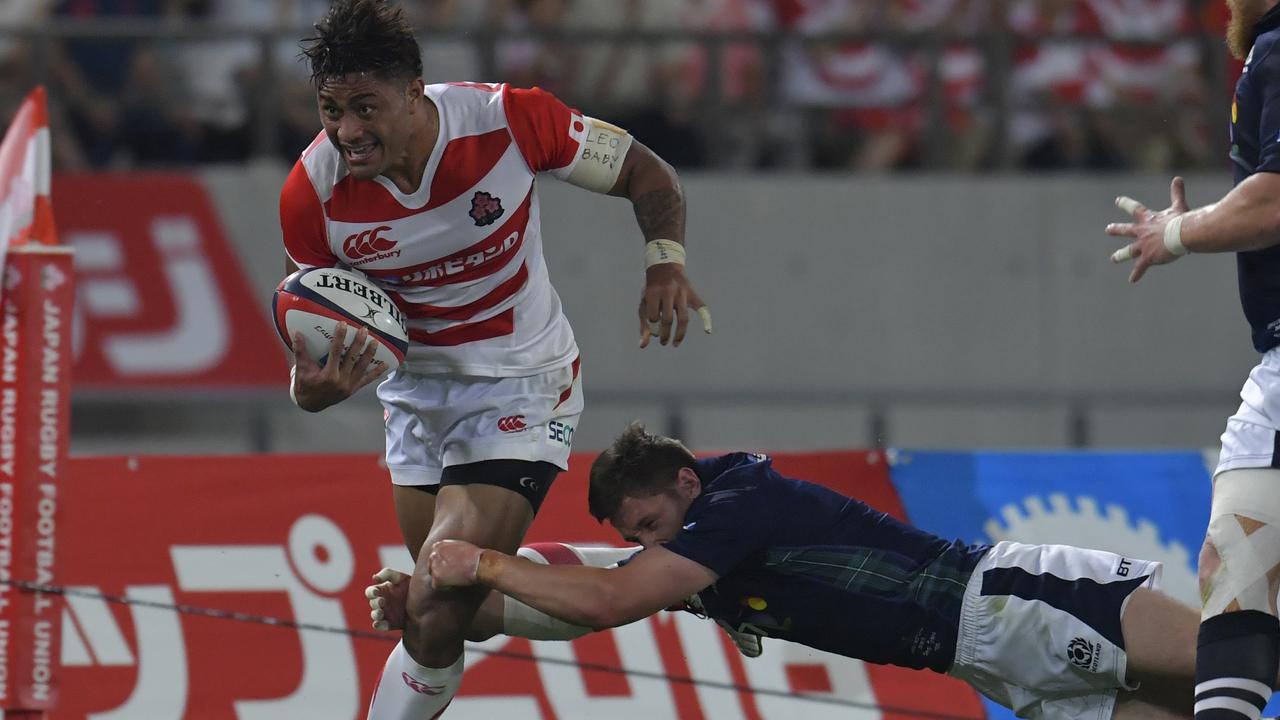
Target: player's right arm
652,581
314,387
1247,218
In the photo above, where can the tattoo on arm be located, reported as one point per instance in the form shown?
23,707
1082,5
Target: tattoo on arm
660,214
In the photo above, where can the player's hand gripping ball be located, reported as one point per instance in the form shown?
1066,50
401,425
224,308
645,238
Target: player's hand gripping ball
313,301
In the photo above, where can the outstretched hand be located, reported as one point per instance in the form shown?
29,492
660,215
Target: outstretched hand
667,298
1148,247
317,386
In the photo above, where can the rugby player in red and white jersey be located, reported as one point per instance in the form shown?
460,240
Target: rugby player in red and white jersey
430,191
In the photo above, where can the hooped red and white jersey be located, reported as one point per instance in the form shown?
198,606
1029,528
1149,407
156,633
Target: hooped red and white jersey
462,254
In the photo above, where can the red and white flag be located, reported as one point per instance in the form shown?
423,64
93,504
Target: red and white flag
26,213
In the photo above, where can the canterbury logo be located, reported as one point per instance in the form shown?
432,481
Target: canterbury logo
420,687
511,423
369,242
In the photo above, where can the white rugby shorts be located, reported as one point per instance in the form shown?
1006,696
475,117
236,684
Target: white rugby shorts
435,421
1252,437
1040,628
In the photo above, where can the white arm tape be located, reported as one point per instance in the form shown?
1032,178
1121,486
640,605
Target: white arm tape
293,378
1173,236
660,251
604,147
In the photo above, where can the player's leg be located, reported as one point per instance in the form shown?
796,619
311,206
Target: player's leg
501,442
1160,645
1159,635
1238,649
487,515
424,671
1042,628
388,597
415,511
1137,705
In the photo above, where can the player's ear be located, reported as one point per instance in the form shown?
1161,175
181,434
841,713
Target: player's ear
688,483
414,92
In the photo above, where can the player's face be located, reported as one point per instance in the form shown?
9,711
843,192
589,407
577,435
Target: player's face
369,120
655,519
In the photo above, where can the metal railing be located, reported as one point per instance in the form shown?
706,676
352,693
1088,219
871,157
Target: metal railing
997,47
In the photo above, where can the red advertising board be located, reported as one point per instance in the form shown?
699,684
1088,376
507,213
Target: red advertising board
162,300
296,537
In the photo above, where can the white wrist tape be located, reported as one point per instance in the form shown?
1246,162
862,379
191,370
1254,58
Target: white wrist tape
604,147
657,252
1173,236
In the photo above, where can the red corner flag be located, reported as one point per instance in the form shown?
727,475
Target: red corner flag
35,387
26,214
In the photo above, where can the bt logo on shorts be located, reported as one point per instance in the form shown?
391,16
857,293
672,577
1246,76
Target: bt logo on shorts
512,423
560,432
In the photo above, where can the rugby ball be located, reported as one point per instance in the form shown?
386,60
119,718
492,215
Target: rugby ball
314,300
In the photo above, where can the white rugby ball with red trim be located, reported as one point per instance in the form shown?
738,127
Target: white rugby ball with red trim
314,300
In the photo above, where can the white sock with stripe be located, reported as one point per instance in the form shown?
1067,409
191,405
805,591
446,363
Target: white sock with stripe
409,691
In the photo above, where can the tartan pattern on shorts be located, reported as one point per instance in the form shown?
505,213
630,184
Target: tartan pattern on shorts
881,573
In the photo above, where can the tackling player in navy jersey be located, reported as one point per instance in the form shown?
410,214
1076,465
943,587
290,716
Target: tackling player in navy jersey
1049,630
1239,641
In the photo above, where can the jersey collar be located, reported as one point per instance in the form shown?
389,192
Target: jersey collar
1270,21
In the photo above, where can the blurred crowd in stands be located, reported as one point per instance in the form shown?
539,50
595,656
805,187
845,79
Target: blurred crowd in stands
867,85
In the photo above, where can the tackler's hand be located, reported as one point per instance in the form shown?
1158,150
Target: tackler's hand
453,563
665,303
1157,235
388,597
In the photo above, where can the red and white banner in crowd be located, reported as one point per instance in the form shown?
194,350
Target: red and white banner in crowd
296,537
162,299
35,386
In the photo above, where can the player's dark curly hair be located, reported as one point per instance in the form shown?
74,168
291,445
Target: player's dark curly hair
637,464
363,36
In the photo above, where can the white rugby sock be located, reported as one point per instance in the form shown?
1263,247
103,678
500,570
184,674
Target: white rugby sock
409,691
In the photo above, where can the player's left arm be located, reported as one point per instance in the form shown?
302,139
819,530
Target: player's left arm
653,187
592,597
598,156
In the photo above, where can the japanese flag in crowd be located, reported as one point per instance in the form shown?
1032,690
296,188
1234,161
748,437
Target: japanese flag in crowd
26,214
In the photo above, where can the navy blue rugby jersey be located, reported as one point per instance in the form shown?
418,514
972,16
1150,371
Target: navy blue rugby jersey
804,563
1255,147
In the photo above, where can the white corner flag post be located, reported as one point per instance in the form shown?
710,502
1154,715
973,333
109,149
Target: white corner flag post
36,294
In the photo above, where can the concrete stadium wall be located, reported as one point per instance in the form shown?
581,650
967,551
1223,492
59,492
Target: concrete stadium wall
926,311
